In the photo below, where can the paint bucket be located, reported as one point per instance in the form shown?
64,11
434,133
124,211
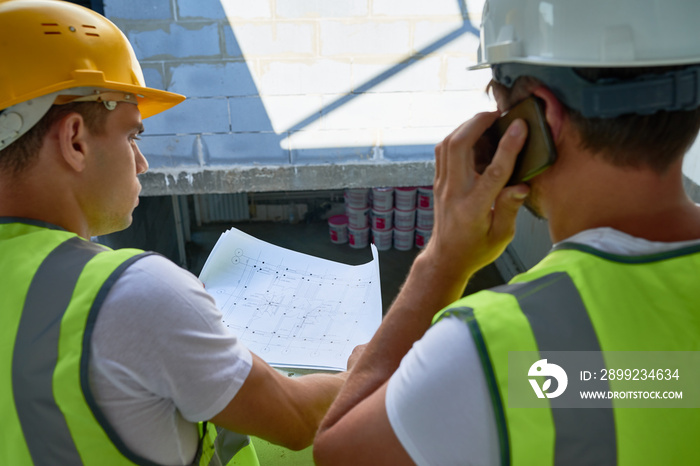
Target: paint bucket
422,237
425,197
338,226
382,219
357,218
405,219
382,239
358,237
403,239
357,198
424,219
383,198
405,198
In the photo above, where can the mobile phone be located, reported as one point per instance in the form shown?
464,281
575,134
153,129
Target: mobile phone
538,152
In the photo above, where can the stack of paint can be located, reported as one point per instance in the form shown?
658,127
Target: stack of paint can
382,217
402,217
424,215
405,218
357,211
338,227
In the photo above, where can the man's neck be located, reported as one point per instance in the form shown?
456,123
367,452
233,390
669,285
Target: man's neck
638,202
42,199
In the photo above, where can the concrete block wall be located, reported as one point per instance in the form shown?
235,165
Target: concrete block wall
302,94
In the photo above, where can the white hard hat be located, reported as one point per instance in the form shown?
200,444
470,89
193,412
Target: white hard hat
546,39
590,33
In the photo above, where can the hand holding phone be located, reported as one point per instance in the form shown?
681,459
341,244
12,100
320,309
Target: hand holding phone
537,154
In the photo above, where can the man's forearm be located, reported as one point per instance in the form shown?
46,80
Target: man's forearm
312,395
428,288
282,410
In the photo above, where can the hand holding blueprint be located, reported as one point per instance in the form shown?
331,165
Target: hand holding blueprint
289,308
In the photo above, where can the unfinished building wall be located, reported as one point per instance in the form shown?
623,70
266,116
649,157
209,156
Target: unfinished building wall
302,94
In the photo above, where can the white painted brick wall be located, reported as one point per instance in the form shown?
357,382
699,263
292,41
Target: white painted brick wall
170,151
416,8
203,9
458,78
365,38
193,116
419,75
447,108
244,148
138,9
220,79
288,110
318,76
426,33
401,140
247,116
240,10
301,9
154,75
279,82
331,146
173,40
276,39
370,111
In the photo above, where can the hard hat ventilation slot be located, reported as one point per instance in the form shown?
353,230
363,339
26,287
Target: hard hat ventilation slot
89,26
51,25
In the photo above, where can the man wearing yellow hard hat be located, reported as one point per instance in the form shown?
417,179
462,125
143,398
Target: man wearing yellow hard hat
109,357
592,357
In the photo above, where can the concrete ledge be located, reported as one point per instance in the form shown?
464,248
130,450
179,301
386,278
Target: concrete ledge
235,179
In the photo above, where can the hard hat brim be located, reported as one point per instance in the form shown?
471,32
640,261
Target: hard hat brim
150,101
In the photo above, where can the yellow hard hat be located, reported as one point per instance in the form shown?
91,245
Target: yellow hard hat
51,45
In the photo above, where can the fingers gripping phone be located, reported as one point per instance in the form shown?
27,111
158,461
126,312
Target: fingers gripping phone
538,152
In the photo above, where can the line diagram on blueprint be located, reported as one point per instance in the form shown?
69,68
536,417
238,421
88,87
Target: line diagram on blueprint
295,310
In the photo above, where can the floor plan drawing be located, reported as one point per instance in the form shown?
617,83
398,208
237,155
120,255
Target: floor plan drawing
292,309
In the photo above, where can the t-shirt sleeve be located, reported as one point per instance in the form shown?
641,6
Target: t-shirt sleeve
438,402
160,335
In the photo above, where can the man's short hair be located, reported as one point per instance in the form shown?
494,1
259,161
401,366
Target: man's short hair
655,141
21,154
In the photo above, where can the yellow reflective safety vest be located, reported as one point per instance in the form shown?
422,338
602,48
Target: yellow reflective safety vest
53,285
581,299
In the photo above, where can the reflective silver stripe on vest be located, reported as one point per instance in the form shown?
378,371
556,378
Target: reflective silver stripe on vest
36,352
560,322
227,444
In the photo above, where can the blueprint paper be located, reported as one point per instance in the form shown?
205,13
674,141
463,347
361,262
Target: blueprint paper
293,309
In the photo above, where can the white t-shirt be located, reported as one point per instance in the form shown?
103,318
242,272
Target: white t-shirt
162,360
438,402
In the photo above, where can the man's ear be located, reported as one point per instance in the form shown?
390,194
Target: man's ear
555,113
72,139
